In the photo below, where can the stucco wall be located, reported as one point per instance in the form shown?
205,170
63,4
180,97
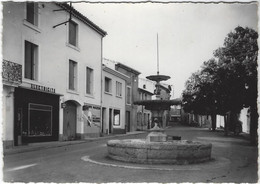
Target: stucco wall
8,115
112,101
54,51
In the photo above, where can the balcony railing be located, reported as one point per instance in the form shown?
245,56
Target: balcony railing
11,73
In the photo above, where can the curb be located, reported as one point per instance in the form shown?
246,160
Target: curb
56,144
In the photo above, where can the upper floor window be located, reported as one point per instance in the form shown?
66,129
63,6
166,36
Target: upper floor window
118,89
89,80
30,61
128,95
73,31
32,13
108,85
72,75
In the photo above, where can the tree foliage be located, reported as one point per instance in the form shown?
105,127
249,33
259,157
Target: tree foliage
228,82
199,95
238,65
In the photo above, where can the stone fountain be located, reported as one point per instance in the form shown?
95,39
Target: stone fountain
158,148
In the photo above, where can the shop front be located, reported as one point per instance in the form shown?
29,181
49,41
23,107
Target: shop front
92,118
36,115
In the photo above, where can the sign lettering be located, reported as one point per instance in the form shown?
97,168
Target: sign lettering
42,88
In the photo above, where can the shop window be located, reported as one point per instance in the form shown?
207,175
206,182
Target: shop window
118,89
32,13
73,32
30,61
128,95
40,120
89,81
108,85
72,75
116,117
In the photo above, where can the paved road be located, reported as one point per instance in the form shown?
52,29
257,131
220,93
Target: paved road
234,161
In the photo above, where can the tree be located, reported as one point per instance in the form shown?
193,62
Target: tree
228,83
237,61
199,95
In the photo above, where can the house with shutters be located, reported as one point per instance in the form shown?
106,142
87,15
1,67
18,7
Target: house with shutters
52,65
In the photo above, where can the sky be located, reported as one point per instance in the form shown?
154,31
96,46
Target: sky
188,34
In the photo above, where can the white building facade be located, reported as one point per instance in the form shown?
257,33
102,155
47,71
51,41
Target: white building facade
52,64
113,101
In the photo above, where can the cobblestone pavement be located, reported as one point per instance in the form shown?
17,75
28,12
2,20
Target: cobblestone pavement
234,160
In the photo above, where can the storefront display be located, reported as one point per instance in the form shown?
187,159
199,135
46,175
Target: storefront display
36,116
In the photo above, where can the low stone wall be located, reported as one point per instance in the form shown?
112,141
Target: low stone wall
170,152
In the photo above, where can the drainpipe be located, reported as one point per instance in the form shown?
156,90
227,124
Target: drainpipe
101,94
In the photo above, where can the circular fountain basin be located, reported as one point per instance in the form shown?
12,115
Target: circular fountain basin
169,152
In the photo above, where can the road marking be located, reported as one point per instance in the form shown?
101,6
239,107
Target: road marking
21,167
87,159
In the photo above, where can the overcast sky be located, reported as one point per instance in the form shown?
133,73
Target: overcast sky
188,34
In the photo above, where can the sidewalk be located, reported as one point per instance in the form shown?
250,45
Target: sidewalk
46,145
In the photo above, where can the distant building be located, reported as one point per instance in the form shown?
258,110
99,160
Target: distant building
145,89
175,114
113,101
51,73
131,95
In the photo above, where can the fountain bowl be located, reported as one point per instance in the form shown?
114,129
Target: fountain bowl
169,152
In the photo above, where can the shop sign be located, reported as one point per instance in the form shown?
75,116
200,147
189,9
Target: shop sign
92,114
42,88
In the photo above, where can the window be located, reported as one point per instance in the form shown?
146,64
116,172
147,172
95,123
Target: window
30,61
118,89
128,95
40,120
89,80
116,117
73,28
108,84
32,13
72,75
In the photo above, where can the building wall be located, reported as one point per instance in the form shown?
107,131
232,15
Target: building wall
111,101
133,83
244,117
220,121
54,54
54,50
143,115
8,116
146,84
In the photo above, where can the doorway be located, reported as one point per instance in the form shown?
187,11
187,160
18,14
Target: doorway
103,119
127,119
110,121
69,121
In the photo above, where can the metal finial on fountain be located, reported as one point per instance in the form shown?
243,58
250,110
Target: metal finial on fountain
162,102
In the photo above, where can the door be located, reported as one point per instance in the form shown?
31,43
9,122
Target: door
103,119
110,121
127,119
148,121
69,121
